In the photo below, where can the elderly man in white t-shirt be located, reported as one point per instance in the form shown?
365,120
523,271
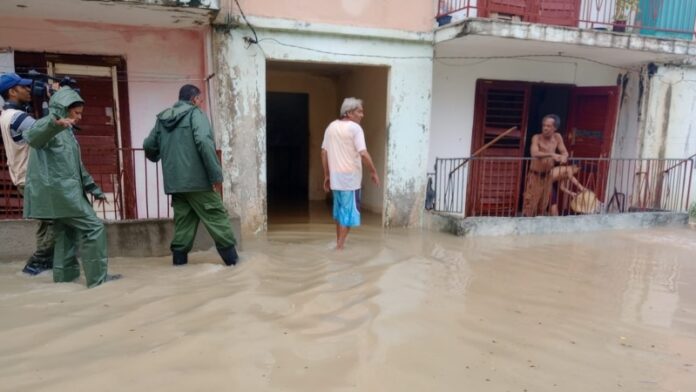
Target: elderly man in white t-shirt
342,154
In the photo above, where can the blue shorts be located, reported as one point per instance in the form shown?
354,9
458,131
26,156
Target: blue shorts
346,208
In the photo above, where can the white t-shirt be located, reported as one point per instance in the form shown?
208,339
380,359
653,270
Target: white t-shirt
343,142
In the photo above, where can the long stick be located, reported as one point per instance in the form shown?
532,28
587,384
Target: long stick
480,150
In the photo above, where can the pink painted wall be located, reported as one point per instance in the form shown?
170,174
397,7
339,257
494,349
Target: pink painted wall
410,15
159,61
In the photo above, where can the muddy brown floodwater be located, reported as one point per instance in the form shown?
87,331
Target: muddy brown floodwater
396,311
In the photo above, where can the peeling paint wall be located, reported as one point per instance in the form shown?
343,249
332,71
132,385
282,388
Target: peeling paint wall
241,71
241,99
668,129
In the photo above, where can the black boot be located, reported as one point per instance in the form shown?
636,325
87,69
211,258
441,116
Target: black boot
36,265
179,258
229,255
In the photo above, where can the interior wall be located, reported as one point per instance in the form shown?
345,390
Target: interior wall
370,85
323,108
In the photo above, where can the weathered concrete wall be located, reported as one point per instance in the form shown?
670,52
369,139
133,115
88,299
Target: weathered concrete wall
137,238
241,71
484,226
667,125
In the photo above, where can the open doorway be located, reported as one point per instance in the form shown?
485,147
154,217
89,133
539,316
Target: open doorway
301,100
588,116
287,150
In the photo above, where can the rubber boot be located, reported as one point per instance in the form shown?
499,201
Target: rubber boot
179,258
36,265
229,255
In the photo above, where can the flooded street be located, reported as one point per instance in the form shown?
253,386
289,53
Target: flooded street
396,311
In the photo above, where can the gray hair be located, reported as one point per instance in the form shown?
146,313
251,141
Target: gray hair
350,104
555,118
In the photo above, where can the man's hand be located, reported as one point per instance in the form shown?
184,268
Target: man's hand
560,158
375,178
217,187
327,184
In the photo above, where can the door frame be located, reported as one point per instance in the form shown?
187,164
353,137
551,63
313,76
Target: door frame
477,138
40,60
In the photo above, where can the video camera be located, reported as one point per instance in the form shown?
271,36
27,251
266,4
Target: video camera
42,87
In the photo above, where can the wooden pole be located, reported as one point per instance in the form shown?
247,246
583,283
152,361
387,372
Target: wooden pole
484,147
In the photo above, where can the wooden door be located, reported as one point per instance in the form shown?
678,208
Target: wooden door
493,185
520,8
553,12
591,124
557,12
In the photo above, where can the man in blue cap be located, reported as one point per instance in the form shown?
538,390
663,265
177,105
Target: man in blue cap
14,121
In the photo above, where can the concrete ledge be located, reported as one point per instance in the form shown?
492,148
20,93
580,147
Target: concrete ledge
486,226
565,35
128,238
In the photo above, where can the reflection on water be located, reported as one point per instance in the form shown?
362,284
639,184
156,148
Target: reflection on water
398,310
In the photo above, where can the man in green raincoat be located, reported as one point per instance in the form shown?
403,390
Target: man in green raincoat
55,189
183,139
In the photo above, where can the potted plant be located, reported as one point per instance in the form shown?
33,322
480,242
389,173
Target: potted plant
622,11
692,215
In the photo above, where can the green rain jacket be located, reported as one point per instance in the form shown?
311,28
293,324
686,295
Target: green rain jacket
56,178
183,139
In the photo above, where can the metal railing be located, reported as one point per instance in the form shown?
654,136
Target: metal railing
133,186
662,18
496,186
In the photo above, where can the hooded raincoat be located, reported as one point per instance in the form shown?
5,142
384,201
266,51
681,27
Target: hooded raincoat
55,189
183,139
56,178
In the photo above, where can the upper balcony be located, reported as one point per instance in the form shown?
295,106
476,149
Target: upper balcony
670,19
143,13
623,33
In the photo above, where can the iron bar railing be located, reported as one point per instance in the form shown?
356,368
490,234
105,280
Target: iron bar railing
133,185
497,186
661,18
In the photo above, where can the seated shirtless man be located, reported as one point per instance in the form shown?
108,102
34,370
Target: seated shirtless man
546,150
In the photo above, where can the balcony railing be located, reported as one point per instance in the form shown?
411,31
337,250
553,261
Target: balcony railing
494,186
660,18
134,189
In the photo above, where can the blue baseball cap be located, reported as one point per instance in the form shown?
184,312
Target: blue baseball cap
9,80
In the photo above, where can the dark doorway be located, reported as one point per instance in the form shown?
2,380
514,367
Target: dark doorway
287,149
546,99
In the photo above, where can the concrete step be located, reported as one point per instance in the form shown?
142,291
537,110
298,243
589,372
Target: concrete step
127,238
498,226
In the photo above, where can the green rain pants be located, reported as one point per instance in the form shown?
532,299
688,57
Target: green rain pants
192,207
88,232
43,256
